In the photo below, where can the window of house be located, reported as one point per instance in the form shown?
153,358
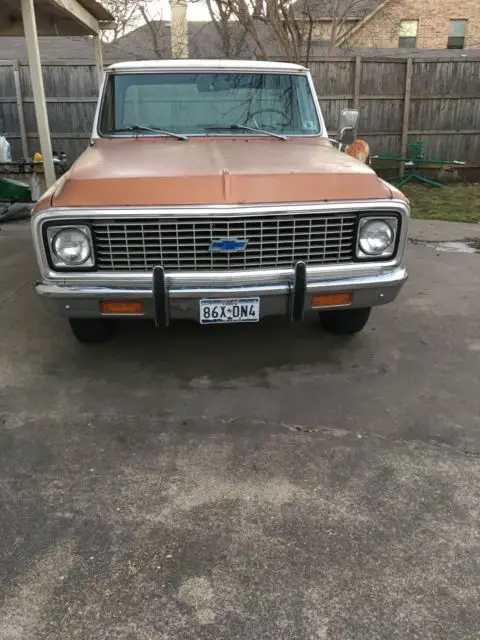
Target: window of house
408,34
456,34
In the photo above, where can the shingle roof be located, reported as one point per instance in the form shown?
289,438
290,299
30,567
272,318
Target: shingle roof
326,9
417,54
56,48
204,42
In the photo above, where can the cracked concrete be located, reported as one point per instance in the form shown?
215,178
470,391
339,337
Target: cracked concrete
244,482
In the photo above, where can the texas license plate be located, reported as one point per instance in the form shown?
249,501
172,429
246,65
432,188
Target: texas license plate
227,310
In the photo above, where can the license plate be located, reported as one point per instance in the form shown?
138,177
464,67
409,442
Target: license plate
229,310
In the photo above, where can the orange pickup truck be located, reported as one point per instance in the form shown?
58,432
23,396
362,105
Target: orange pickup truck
211,191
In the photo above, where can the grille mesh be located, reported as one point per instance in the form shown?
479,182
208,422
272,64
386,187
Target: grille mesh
183,244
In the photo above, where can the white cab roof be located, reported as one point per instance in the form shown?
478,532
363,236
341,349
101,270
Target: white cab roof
196,65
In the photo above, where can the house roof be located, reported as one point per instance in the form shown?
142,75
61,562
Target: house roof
204,43
417,54
361,23
144,43
57,48
327,9
154,41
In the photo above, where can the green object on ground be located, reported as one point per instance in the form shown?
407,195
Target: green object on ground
411,165
413,162
458,203
14,191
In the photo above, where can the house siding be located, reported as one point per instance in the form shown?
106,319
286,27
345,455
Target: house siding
433,16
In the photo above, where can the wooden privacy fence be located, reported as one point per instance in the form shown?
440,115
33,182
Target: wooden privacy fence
403,100
71,93
400,100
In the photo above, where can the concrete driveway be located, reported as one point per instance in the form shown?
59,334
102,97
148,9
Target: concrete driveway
260,482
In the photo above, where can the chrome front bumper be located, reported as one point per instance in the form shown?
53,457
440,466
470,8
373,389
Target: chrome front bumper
164,300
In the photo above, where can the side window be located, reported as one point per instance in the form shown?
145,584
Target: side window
408,34
456,34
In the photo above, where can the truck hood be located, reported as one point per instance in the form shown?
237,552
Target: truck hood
162,172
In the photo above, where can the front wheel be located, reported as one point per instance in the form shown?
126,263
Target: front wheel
90,330
344,322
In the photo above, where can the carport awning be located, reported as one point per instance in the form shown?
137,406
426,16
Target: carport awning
56,17
34,18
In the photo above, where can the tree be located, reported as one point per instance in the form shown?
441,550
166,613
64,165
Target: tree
288,28
342,12
154,28
126,16
264,28
231,38
132,14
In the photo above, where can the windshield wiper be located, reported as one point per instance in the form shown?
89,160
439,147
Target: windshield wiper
141,127
243,127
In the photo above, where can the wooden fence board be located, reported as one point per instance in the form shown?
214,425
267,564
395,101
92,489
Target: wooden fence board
382,78
381,116
333,78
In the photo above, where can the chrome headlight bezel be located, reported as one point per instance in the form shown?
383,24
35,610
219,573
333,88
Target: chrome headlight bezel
50,233
393,221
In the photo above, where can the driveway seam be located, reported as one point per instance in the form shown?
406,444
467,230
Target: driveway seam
12,295
12,421
344,433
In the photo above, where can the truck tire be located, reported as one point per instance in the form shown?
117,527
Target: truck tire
344,322
90,330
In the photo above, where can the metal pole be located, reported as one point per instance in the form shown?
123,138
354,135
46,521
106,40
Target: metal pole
31,37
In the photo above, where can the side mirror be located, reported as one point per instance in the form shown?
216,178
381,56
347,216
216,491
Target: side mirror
348,126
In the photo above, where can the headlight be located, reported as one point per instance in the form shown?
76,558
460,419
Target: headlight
70,246
376,238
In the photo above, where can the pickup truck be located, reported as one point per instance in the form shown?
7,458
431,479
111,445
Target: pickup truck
211,191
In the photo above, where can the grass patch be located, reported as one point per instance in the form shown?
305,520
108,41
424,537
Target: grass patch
459,203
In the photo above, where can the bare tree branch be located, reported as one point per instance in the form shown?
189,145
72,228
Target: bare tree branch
126,16
232,39
291,25
286,28
153,29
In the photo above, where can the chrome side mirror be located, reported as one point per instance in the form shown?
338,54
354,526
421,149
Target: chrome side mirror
348,126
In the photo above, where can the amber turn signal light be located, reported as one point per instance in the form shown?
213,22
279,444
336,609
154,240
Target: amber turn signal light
126,307
331,299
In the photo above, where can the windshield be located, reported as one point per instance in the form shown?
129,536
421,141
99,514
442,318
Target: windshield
209,104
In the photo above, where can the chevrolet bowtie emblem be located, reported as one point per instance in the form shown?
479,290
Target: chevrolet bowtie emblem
228,245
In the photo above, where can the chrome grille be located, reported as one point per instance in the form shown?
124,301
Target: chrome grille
183,244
